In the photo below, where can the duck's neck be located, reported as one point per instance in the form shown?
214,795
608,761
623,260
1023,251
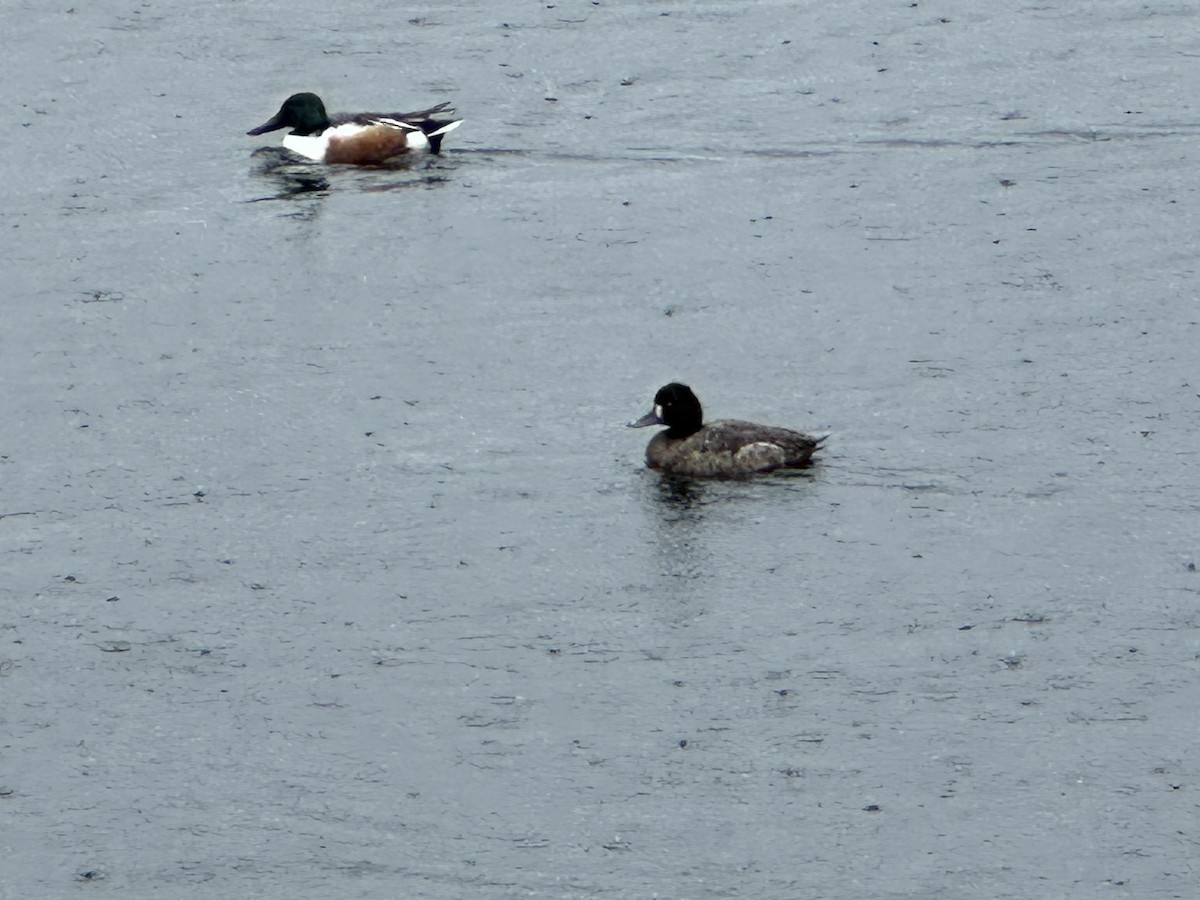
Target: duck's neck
686,428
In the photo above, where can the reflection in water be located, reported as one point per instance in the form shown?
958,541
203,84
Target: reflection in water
691,514
394,185
680,506
680,493
687,495
301,182
297,178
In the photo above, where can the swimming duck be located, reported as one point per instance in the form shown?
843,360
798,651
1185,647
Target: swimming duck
727,447
357,138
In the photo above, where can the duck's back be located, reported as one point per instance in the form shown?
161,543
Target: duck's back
732,447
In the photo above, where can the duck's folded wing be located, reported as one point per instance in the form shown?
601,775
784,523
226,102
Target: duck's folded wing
442,110
434,116
757,448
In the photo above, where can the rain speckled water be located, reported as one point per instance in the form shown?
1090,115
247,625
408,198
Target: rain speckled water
329,568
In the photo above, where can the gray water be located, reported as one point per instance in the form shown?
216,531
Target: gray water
329,570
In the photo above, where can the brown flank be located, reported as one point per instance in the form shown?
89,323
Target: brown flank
374,145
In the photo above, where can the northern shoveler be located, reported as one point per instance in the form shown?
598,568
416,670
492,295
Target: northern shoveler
724,448
358,138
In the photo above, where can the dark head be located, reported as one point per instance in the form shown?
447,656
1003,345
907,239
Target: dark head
303,113
676,407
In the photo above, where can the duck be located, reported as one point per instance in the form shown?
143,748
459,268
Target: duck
361,139
725,448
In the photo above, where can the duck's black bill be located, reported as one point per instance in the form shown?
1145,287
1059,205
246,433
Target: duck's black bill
272,124
649,418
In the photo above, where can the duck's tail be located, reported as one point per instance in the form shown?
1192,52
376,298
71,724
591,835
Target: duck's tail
435,137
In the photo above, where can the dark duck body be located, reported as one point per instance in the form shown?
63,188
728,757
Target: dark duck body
724,448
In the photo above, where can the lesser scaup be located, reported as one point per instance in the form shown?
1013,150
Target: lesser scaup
727,447
361,139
